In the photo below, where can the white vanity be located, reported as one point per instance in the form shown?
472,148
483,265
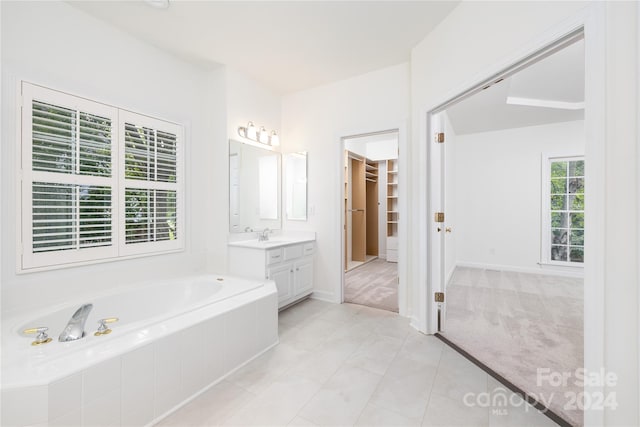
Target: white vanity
286,261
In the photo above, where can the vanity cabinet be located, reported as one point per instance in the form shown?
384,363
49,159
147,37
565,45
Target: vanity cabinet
290,266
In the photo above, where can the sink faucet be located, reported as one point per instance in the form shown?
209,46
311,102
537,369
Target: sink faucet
75,327
263,235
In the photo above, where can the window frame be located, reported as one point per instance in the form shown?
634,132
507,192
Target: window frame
545,209
27,261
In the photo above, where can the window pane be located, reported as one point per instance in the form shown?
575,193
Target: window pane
559,219
138,215
53,138
166,215
576,203
95,216
95,145
577,220
166,163
558,203
577,237
576,168
68,216
576,185
138,152
576,254
558,169
558,186
558,253
150,215
54,217
559,235
150,155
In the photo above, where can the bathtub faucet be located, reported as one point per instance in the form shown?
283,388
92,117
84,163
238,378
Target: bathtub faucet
75,327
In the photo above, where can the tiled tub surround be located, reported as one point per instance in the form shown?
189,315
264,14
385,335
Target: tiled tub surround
146,368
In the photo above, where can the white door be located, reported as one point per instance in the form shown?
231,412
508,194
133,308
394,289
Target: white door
303,276
282,275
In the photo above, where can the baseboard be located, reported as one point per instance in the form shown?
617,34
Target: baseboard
544,270
324,296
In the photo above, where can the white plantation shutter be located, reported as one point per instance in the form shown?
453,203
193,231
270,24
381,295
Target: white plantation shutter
94,180
68,178
151,200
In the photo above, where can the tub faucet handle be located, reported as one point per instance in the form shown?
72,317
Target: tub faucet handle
42,337
103,329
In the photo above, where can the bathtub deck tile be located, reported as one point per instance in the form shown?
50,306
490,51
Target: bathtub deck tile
212,349
104,411
71,419
101,379
65,396
138,386
25,406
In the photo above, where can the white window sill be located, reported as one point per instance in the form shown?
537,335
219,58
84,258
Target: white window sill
563,269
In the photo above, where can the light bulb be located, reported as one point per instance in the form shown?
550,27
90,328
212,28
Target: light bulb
263,136
251,131
275,140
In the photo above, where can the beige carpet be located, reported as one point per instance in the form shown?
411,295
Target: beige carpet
516,323
374,284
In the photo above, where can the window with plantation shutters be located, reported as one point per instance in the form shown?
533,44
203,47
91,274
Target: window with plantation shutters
96,180
150,202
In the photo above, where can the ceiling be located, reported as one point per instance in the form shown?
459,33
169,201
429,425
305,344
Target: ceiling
285,45
555,85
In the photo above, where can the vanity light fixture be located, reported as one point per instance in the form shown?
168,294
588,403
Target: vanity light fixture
262,136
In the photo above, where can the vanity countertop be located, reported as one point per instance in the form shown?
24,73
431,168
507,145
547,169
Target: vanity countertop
273,242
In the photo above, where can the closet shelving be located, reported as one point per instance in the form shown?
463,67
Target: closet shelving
392,210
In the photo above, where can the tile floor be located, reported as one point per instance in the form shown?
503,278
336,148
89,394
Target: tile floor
354,365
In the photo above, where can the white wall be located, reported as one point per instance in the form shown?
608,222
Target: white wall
472,40
248,101
498,198
314,120
56,45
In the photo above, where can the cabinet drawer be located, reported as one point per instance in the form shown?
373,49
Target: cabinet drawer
274,256
309,248
292,252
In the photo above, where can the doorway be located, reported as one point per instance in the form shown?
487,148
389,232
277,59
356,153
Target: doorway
511,168
371,220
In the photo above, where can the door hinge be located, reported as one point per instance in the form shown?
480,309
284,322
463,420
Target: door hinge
439,296
439,217
440,137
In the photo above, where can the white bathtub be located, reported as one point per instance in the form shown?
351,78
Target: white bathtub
174,339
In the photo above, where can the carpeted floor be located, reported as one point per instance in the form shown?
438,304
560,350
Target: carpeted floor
516,323
374,284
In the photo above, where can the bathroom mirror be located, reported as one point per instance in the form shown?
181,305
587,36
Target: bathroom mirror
296,185
254,188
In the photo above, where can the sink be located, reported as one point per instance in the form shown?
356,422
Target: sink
273,242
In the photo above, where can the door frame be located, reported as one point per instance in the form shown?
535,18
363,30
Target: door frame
401,130
591,24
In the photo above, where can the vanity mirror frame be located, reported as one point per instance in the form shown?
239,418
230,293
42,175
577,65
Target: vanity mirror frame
241,220
296,173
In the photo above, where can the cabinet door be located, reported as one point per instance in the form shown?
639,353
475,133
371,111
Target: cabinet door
282,276
303,276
